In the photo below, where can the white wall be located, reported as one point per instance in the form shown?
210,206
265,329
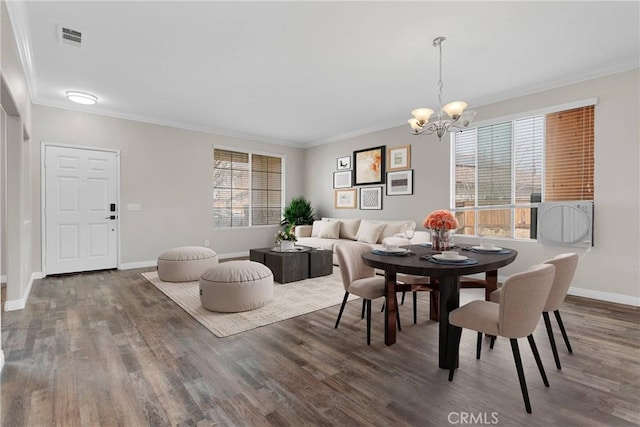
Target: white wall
611,269
17,235
169,172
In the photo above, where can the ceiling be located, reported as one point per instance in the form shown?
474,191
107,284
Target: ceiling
305,73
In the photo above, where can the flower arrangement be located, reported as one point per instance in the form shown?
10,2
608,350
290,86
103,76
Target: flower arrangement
441,220
286,234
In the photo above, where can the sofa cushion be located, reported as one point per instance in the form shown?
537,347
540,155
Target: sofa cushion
395,227
329,230
369,231
348,227
316,242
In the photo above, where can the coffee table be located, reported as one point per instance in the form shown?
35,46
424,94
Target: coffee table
291,266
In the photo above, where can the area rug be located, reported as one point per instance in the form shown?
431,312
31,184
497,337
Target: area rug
289,300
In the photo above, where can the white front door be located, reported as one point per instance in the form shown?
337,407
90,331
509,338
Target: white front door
80,210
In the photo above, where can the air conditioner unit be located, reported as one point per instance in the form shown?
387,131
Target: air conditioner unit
566,223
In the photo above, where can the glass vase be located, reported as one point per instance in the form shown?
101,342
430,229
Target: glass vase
440,240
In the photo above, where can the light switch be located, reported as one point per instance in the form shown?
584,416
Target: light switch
134,207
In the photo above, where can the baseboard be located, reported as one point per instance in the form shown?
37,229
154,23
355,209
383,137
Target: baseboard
1,360
3,279
605,296
234,255
154,263
19,304
141,264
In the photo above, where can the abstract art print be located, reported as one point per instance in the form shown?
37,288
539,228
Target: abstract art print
400,183
399,158
371,198
342,179
344,163
369,165
345,199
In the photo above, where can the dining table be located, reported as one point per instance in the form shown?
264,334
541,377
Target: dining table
419,261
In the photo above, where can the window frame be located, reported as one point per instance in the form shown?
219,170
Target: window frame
513,205
282,157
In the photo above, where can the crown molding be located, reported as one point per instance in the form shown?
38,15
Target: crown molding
54,103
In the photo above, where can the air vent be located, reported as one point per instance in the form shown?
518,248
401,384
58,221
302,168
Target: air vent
70,37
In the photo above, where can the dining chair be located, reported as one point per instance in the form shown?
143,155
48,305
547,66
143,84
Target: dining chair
359,279
566,265
522,300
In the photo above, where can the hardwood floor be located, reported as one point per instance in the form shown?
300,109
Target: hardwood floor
108,348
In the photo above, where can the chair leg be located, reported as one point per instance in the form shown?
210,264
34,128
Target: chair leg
554,349
479,345
415,307
364,303
344,301
536,355
523,382
368,322
493,341
402,300
398,316
456,333
564,333
382,310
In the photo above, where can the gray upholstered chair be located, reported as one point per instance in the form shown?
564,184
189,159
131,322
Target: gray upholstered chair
566,265
358,278
522,299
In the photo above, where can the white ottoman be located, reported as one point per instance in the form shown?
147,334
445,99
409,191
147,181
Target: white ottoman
236,286
185,264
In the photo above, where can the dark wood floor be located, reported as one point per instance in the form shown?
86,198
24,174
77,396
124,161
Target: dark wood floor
108,348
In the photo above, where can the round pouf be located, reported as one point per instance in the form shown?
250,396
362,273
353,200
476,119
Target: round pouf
236,286
185,264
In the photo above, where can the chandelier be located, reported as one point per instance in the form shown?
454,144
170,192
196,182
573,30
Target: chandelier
455,119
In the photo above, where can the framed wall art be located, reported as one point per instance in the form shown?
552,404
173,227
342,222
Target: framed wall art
368,166
399,158
400,183
371,198
344,163
345,199
342,179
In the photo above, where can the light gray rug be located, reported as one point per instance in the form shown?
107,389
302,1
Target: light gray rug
289,300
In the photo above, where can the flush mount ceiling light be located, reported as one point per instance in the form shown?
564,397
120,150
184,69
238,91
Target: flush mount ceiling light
458,118
81,98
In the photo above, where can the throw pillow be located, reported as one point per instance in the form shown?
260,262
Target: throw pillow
317,225
329,230
369,232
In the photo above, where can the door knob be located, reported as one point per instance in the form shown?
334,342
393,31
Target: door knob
110,217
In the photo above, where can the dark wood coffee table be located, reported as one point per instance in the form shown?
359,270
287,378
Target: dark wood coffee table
293,266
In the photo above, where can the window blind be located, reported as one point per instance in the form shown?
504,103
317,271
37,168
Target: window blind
569,159
494,164
247,189
528,147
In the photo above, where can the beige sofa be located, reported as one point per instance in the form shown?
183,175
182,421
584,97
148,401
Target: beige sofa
328,232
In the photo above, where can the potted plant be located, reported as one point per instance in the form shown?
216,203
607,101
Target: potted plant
298,212
286,238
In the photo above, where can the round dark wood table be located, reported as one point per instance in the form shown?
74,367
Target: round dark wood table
449,280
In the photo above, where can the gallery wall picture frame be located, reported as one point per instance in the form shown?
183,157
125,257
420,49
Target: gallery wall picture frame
343,179
399,158
344,163
371,198
369,165
345,199
400,183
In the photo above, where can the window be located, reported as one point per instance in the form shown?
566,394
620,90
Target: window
501,169
247,189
